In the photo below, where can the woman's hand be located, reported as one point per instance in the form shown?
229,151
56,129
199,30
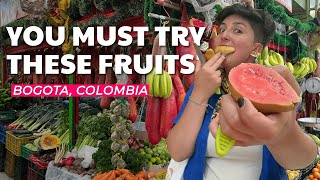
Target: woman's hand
207,77
242,122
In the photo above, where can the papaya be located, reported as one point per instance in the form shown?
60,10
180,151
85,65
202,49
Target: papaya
268,91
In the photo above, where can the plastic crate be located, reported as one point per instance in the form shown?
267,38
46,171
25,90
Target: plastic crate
7,115
25,152
20,169
33,175
14,143
2,156
39,167
10,163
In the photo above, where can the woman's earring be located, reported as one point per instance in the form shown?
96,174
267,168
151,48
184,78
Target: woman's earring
254,54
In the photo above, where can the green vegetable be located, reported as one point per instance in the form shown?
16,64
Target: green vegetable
102,157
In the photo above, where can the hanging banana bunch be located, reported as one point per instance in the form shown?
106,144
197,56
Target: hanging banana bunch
62,19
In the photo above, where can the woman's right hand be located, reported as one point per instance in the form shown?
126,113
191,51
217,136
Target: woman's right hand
207,77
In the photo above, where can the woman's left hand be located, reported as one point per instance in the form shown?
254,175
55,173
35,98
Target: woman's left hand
241,120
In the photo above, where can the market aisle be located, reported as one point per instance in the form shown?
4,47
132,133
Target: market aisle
3,176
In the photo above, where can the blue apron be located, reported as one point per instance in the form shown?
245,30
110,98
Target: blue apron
271,170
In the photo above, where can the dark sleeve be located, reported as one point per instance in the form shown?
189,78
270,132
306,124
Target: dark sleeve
186,99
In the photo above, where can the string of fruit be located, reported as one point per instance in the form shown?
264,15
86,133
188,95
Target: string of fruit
121,130
60,18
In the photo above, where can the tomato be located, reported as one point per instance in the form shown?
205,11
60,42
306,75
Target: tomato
316,175
318,166
315,170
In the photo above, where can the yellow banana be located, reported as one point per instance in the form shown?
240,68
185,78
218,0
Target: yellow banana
163,84
149,81
279,58
298,68
290,66
305,71
266,62
58,20
264,54
63,14
314,65
156,85
260,60
169,85
272,59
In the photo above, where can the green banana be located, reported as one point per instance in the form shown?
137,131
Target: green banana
264,53
260,60
290,66
169,85
273,61
149,81
305,71
163,84
156,85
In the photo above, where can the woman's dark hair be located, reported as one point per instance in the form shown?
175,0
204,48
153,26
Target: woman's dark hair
261,22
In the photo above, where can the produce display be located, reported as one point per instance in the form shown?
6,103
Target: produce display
264,87
12,103
156,155
293,174
125,174
315,173
300,69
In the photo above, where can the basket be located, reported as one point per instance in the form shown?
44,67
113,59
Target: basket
9,164
14,143
7,115
25,152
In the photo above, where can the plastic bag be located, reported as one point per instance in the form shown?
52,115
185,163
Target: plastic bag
86,153
56,173
37,7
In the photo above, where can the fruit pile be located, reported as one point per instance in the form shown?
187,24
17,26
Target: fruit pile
121,130
299,70
315,173
157,154
124,174
293,174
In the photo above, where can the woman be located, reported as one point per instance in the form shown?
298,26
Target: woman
266,145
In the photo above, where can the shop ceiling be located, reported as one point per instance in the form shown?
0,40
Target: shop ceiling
304,9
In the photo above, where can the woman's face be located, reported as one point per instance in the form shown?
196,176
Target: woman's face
236,31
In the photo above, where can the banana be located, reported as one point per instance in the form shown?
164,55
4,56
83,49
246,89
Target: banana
279,58
266,62
163,84
209,54
273,61
305,71
314,65
298,68
169,85
156,85
58,20
310,65
290,66
264,54
149,81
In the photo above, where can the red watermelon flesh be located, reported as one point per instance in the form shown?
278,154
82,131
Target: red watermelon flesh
264,87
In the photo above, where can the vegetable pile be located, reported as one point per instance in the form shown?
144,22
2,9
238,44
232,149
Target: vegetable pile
124,174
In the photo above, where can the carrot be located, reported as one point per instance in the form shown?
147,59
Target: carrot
118,172
119,178
142,174
124,171
106,177
129,178
113,175
100,176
